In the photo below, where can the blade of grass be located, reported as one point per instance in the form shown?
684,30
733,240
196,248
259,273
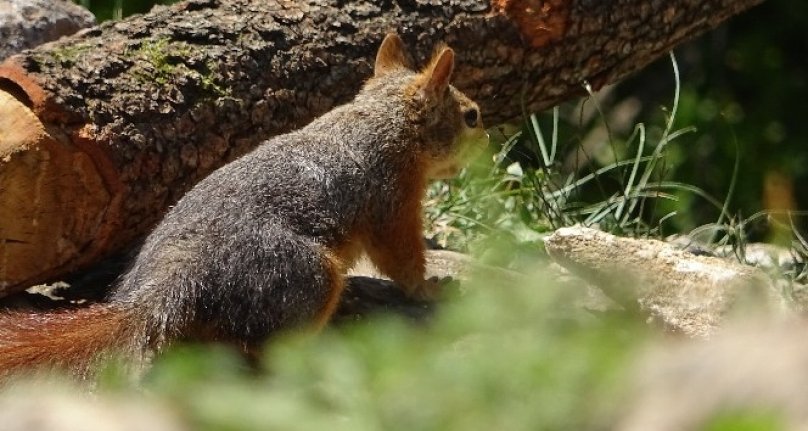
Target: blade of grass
640,128
733,180
545,155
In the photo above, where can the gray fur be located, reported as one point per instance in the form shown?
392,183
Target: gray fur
243,251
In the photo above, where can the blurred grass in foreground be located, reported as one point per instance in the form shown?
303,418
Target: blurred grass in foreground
500,357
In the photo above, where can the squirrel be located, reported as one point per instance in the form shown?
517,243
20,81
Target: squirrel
262,244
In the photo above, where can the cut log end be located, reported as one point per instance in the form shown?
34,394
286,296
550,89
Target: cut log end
17,82
52,198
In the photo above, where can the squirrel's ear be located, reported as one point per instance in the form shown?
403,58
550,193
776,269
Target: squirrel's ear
436,76
391,55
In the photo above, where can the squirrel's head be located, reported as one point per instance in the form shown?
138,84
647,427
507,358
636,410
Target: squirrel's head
449,126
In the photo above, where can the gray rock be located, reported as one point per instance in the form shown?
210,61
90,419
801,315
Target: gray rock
43,405
27,23
754,368
681,291
767,256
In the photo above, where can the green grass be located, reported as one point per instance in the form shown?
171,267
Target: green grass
528,191
524,188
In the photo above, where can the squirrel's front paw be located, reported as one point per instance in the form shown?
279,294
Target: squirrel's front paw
429,289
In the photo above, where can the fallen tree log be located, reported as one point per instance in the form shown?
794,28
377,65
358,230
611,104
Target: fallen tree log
102,131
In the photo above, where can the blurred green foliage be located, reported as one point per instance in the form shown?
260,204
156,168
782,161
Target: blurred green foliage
116,9
502,357
749,420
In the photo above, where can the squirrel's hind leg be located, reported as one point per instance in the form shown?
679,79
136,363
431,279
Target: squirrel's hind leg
273,281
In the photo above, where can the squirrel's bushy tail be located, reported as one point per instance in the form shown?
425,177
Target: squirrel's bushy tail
73,340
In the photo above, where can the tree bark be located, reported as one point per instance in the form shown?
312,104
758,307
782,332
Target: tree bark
121,119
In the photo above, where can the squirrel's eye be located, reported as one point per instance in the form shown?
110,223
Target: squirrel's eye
470,116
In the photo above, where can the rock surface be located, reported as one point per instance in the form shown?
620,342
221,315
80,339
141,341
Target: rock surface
766,256
27,23
757,368
684,292
44,406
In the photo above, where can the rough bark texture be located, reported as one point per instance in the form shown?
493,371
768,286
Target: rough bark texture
136,111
